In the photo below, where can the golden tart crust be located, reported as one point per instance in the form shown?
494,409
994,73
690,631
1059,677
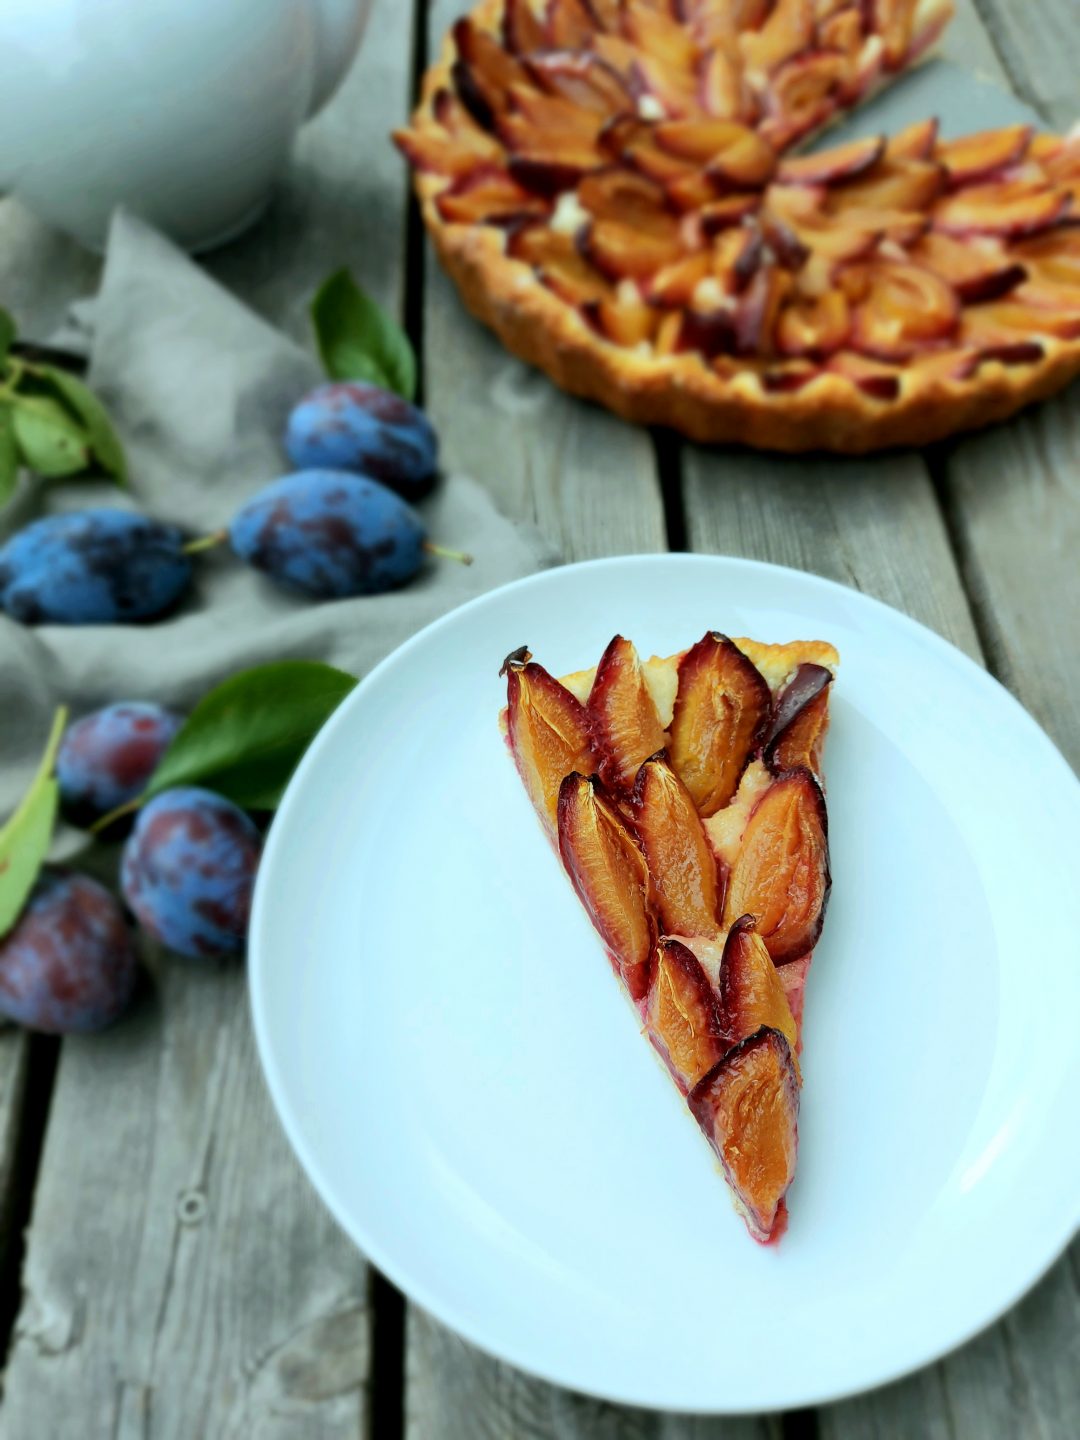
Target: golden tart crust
996,351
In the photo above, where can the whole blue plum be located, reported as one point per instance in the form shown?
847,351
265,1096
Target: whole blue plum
93,567
349,425
188,870
106,758
330,534
69,964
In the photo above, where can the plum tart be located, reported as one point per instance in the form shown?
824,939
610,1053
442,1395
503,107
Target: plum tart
613,186
685,798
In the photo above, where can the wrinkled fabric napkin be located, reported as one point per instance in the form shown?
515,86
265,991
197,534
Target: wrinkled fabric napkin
199,387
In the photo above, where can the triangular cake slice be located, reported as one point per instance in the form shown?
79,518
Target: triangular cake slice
684,796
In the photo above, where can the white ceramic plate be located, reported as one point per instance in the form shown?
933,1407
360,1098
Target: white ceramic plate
461,1078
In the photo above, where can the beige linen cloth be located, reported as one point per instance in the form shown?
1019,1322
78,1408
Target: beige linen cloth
199,387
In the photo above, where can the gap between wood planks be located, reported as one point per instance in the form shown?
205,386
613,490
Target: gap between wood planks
386,1414
43,1052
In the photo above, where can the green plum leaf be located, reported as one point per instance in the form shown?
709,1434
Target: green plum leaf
358,340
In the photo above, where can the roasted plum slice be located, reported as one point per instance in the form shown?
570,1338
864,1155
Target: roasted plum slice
902,307
826,167
787,30
813,325
681,1014
488,196
906,186
978,268
721,708
625,725
800,720
751,992
560,265
731,152
781,873
483,72
569,25
1011,208
986,153
522,29
914,142
680,861
748,1108
608,871
623,252
803,94
548,730
583,77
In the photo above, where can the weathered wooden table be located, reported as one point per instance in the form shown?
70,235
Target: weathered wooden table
165,1269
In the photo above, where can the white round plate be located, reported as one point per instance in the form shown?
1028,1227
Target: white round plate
458,1071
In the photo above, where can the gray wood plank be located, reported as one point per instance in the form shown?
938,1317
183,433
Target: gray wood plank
181,1276
1011,498
1036,45
455,1393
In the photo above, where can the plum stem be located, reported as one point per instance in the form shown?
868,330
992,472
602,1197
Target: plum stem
205,542
104,821
441,550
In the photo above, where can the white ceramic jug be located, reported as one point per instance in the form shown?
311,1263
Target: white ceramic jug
182,110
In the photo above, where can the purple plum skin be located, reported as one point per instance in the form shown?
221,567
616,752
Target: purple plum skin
188,871
106,758
93,567
350,425
330,535
68,965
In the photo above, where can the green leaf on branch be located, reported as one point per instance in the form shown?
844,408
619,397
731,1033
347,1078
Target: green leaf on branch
49,440
245,738
7,333
24,840
358,340
9,454
88,410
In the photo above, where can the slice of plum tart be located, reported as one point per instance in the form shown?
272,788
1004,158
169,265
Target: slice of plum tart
612,185
685,799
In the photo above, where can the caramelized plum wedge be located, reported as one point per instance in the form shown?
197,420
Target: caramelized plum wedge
721,707
827,166
980,156
626,727
748,1108
752,993
608,871
677,851
902,307
781,873
1010,208
548,730
681,1014
800,719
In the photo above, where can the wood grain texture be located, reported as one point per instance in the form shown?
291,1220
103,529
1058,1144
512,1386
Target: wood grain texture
182,1279
1037,46
456,1393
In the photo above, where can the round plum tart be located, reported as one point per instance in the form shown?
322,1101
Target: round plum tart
612,186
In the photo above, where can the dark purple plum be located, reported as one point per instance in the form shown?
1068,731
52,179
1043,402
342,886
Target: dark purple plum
330,534
93,567
188,870
69,964
349,425
106,758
